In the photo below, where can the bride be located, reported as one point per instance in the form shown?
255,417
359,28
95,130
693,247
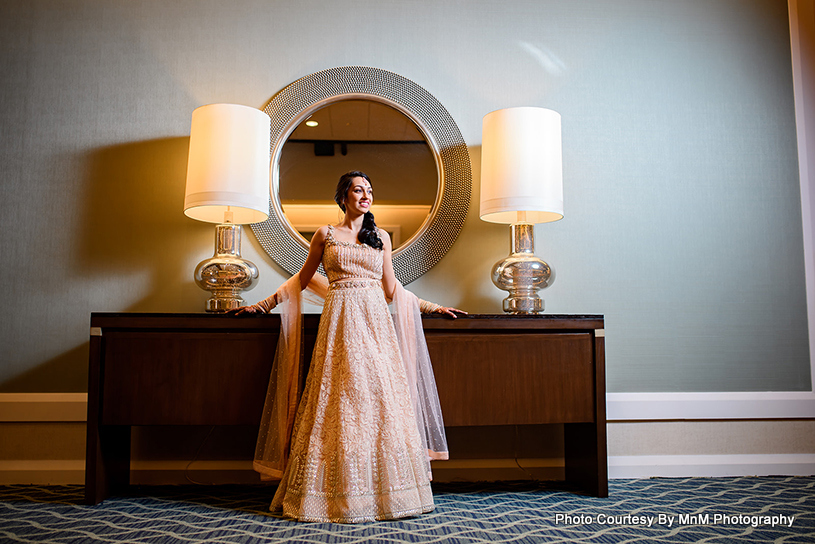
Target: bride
359,444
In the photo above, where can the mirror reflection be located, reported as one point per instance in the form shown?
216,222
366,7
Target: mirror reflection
358,135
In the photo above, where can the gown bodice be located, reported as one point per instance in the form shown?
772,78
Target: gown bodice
346,260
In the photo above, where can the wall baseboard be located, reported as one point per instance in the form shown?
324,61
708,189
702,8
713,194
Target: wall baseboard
199,472
72,472
16,407
710,466
619,406
718,405
42,472
494,470
65,472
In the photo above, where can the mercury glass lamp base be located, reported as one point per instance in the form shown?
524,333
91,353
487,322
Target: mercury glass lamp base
522,273
226,274
523,304
223,303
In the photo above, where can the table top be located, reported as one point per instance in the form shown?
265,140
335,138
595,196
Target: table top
131,320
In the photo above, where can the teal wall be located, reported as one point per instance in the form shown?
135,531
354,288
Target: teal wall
682,202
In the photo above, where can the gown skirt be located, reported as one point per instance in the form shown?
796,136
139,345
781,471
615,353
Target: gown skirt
356,453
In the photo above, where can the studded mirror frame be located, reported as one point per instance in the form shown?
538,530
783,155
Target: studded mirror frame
438,233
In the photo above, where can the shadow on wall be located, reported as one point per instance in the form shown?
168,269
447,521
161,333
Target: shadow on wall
66,373
135,245
136,239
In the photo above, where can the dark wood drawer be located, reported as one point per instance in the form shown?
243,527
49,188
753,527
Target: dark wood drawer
183,378
513,379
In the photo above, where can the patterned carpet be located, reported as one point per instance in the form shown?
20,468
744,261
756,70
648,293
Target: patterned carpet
715,510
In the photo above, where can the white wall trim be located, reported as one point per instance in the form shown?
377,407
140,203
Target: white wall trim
42,472
619,406
719,405
620,467
710,466
43,406
64,472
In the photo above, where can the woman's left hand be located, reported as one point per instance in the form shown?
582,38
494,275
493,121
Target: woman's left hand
450,312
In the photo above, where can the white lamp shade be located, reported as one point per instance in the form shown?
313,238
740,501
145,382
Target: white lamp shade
228,167
521,166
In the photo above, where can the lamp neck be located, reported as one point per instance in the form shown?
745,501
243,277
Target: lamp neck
523,238
228,239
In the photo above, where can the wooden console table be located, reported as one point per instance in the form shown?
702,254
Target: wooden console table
201,369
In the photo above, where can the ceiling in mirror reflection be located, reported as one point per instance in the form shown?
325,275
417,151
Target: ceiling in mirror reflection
358,120
358,135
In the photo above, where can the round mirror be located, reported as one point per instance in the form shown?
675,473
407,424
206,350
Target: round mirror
363,97
361,135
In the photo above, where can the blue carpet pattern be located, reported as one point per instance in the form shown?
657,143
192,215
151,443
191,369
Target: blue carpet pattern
709,510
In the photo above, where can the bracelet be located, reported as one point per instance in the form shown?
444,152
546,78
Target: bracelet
266,305
428,307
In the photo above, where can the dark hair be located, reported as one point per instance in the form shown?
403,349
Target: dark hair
368,234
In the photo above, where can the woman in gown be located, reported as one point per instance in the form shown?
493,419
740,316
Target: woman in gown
356,450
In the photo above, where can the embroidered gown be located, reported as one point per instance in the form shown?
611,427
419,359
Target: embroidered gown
356,453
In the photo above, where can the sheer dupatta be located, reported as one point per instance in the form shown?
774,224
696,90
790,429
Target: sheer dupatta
283,394
407,320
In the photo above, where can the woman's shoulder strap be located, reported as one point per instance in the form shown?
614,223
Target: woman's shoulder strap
329,233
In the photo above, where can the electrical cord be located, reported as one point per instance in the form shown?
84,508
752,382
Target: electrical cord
518,463
195,458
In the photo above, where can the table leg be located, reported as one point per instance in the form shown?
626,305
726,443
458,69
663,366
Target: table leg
586,459
107,448
107,464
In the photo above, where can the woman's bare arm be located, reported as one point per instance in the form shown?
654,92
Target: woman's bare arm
388,276
315,256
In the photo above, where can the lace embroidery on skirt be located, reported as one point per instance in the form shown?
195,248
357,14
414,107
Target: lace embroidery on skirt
356,450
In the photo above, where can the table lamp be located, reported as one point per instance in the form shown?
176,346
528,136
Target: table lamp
228,184
522,184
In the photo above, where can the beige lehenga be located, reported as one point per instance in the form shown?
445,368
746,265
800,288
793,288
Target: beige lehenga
356,452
